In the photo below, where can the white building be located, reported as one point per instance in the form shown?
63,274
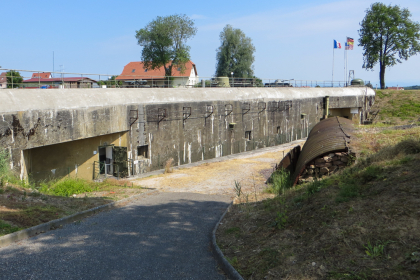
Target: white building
134,74
3,80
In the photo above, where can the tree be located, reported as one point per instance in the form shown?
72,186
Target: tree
164,42
14,79
235,54
388,35
110,82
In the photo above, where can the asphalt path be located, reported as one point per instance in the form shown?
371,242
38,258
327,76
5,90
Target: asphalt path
158,236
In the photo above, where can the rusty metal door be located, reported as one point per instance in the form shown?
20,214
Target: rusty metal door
119,154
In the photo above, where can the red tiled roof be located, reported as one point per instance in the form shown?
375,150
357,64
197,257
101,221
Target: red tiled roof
45,75
3,77
69,79
141,73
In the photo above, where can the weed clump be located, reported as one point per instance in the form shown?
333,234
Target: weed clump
6,228
281,180
67,187
168,165
5,172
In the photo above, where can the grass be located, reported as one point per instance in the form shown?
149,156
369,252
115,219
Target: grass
66,187
25,205
281,181
398,107
331,228
6,228
375,251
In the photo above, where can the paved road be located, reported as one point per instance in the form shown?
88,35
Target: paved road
159,236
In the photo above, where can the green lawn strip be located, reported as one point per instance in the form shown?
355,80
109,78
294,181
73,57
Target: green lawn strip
6,228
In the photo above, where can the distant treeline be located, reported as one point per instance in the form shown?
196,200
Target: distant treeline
412,87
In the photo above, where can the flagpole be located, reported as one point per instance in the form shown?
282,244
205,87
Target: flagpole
347,65
344,63
333,66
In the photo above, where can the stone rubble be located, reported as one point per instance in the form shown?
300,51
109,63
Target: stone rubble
326,165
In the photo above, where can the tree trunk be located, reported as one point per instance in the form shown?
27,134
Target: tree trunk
382,75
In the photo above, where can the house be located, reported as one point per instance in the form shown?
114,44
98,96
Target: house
39,81
3,80
43,75
135,75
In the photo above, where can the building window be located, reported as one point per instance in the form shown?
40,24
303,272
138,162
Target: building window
278,130
134,70
142,151
179,68
248,135
145,70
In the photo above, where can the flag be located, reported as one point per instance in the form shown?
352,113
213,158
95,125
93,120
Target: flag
349,43
337,45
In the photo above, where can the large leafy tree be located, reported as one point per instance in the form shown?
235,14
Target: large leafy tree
388,36
164,42
14,79
235,54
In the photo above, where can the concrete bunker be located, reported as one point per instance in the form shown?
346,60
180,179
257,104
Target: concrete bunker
53,134
89,158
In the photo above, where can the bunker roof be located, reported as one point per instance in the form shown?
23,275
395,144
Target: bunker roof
14,100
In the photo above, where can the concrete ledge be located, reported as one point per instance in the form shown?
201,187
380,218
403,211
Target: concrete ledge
54,224
224,264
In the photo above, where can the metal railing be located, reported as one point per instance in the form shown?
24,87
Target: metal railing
30,79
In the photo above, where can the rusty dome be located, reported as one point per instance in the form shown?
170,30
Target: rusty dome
329,135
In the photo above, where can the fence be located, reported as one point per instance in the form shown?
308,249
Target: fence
54,80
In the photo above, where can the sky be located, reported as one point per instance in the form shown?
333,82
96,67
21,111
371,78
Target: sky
293,39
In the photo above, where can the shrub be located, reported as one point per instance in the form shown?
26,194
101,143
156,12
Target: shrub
281,181
5,172
67,187
168,165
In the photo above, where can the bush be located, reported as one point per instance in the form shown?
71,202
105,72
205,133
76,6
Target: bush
4,167
66,187
281,180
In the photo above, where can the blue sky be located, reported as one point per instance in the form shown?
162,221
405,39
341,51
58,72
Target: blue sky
293,39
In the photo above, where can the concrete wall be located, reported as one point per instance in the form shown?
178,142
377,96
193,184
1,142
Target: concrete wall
187,125
74,158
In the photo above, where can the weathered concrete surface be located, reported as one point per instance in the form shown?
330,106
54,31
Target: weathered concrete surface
15,100
187,125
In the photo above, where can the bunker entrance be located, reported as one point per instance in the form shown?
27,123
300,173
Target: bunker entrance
113,161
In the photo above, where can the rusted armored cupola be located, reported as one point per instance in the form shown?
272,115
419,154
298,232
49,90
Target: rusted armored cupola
326,150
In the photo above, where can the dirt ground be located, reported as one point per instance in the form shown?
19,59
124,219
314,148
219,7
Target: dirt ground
250,170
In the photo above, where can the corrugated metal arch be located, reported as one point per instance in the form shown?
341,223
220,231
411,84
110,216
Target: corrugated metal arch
329,135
